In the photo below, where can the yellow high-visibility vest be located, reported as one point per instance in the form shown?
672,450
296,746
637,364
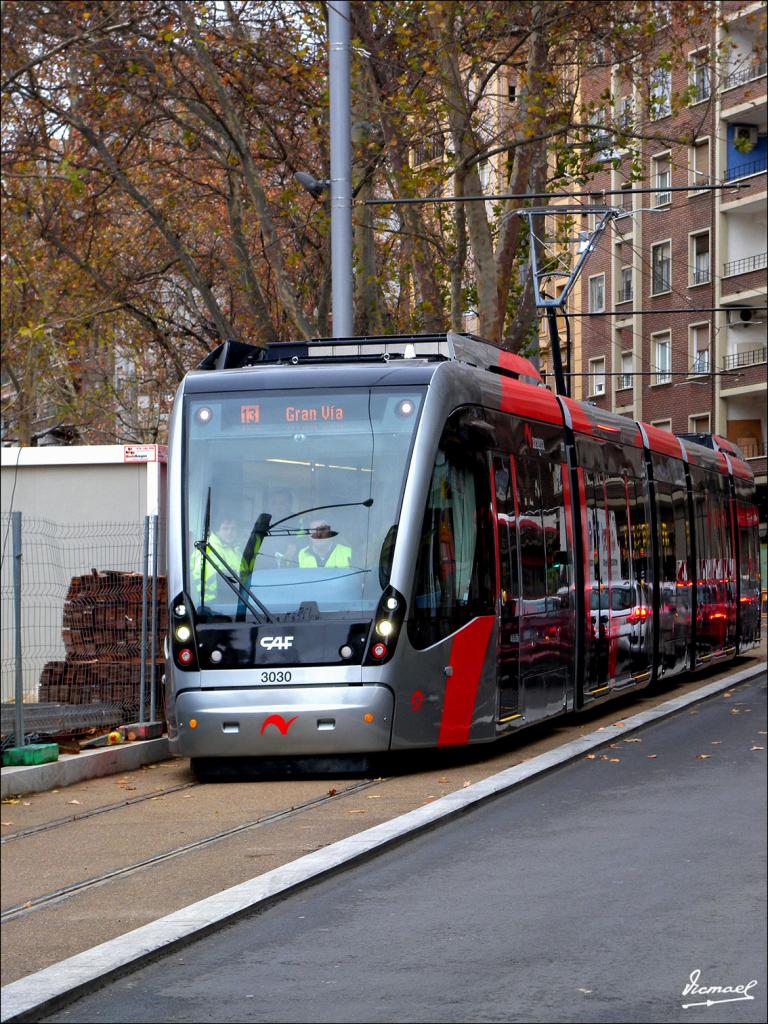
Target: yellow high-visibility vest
339,558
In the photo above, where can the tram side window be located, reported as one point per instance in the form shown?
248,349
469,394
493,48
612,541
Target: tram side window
454,571
544,557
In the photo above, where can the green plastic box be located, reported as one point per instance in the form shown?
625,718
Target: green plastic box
33,753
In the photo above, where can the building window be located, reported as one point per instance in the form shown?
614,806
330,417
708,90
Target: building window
699,424
662,358
699,348
625,285
624,114
625,377
662,425
511,91
597,376
430,148
662,179
699,259
597,293
661,94
661,268
698,164
699,76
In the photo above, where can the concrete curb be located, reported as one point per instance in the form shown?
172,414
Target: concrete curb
90,764
46,990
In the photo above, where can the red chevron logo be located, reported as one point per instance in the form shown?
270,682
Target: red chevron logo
279,722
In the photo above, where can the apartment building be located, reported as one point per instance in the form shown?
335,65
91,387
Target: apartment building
682,270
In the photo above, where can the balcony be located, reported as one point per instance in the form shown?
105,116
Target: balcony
700,275
742,75
750,357
625,382
700,363
624,293
745,170
746,264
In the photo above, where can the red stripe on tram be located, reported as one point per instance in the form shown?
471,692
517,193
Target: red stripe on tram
467,657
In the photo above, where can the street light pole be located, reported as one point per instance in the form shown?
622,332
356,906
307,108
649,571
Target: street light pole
341,168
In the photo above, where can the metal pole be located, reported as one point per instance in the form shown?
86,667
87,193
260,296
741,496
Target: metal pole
341,168
153,667
18,716
143,675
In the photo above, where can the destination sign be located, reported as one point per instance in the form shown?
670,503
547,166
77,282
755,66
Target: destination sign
312,412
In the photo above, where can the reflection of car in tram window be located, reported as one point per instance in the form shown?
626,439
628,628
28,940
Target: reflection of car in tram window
621,612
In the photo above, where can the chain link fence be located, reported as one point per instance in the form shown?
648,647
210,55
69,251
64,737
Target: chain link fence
83,625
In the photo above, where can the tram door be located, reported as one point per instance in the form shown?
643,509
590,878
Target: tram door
509,592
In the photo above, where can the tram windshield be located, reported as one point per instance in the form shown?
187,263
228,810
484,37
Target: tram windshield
293,499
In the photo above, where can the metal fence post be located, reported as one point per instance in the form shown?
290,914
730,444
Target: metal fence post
143,675
153,646
18,716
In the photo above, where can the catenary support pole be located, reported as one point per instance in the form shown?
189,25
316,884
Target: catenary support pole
18,716
341,168
153,645
144,580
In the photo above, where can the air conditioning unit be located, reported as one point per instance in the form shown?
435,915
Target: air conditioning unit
747,316
746,135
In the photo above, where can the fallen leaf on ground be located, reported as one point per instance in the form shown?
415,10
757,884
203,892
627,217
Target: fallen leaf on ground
331,792
614,760
591,757
357,810
652,757
6,822
374,796
703,757
73,802
633,739
757,748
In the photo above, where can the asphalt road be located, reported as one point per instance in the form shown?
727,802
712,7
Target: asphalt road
593,893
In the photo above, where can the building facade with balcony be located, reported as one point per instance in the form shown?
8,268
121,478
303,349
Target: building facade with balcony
682,269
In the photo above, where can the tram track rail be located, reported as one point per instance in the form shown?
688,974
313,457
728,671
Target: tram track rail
70,819
66,892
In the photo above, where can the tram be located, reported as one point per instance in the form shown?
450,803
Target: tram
403,542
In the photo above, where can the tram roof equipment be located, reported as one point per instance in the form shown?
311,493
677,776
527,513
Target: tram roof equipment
463,348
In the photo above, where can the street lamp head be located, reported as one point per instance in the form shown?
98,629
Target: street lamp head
314,186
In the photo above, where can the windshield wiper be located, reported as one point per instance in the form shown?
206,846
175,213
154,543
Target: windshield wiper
245,596
263,527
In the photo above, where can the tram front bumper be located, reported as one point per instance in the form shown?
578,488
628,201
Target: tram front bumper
283,722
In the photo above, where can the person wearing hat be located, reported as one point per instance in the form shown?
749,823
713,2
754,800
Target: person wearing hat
323,551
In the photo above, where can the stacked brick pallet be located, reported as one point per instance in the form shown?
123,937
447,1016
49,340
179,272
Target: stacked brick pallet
102,640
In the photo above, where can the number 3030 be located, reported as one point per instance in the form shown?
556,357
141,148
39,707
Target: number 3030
276,677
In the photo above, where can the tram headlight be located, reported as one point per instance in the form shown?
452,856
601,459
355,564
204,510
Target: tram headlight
387,624
183,633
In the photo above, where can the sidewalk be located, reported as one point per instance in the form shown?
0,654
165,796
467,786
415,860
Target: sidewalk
89,764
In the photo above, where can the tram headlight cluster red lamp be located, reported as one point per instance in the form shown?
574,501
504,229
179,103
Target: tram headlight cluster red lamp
182,634
387,624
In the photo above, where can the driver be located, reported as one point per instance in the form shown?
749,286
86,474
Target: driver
323,550
225,541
